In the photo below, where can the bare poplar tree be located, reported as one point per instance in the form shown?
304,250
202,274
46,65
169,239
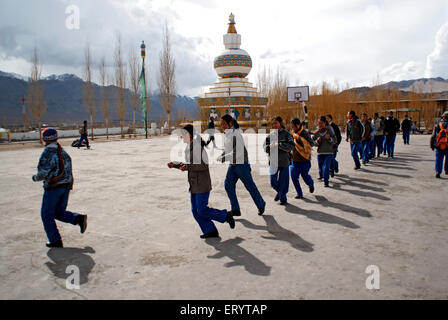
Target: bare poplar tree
120,83
35,96
134,76
88,89
104,101
166,79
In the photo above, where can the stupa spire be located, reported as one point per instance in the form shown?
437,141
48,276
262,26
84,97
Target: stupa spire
231,28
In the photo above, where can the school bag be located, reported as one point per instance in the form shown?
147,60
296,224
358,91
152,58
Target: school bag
442,138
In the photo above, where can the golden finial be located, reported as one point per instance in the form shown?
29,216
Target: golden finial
232,28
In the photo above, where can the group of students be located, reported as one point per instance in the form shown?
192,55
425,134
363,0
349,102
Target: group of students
289,155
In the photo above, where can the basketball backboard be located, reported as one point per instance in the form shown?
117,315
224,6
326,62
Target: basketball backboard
298,93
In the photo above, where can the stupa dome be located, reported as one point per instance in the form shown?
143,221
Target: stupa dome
233,62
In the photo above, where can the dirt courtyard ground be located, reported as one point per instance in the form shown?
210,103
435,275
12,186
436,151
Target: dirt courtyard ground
143,243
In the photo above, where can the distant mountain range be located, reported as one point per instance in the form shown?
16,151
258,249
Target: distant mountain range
437,86
63,94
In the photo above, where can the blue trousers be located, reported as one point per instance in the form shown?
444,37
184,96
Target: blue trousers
54,205
334,164
324,161
379,145
366,150
243,172
280,182
372,148
84,138
440,155
390,144
406,136
384,145
356,148
205,215
301,169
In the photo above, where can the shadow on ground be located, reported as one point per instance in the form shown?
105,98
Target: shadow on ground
343,207
240,256
63,257
279,233
321,216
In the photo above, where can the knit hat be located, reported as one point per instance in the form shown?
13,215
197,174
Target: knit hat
50,134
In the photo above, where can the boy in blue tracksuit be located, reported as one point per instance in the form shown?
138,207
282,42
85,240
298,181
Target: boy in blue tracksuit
239,169
355,132
279,145
196,164
55,170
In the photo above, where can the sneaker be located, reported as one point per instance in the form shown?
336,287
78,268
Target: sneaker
261,210
56,244
283,203
357,168
236,213
438,175
312,189
299,197
277,197
213,234
82,222
327,185
230,220
320,178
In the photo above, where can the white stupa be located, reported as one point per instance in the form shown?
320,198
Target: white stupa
233,93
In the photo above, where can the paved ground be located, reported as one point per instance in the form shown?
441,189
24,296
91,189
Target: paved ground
143,243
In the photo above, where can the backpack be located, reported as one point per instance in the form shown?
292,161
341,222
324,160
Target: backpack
442,138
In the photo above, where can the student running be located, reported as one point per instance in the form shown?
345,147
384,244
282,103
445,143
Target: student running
235,152
196,164
55,170
301,157
279,145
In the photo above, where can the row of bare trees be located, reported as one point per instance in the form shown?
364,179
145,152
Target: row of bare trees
123,76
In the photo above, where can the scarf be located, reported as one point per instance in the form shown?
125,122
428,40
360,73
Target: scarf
302,145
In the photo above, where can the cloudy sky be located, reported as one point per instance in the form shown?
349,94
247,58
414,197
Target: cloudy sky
348,41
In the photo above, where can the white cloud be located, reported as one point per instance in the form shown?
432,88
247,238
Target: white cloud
437,60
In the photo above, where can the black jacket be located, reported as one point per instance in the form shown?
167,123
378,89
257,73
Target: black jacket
391,126
337,132
406,125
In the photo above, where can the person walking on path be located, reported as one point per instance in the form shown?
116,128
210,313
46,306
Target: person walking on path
211,132
366,139
196,164
55,170
439,143
372,139
301,157
326,142
379,135
406,126
354,132
83,131
278,145
384,137
235,152
334,168
391,127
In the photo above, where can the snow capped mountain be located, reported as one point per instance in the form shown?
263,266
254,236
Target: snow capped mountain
13,76
62,77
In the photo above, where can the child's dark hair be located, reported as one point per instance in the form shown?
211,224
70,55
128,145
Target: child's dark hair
324,119
279,120
228,118
296,122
